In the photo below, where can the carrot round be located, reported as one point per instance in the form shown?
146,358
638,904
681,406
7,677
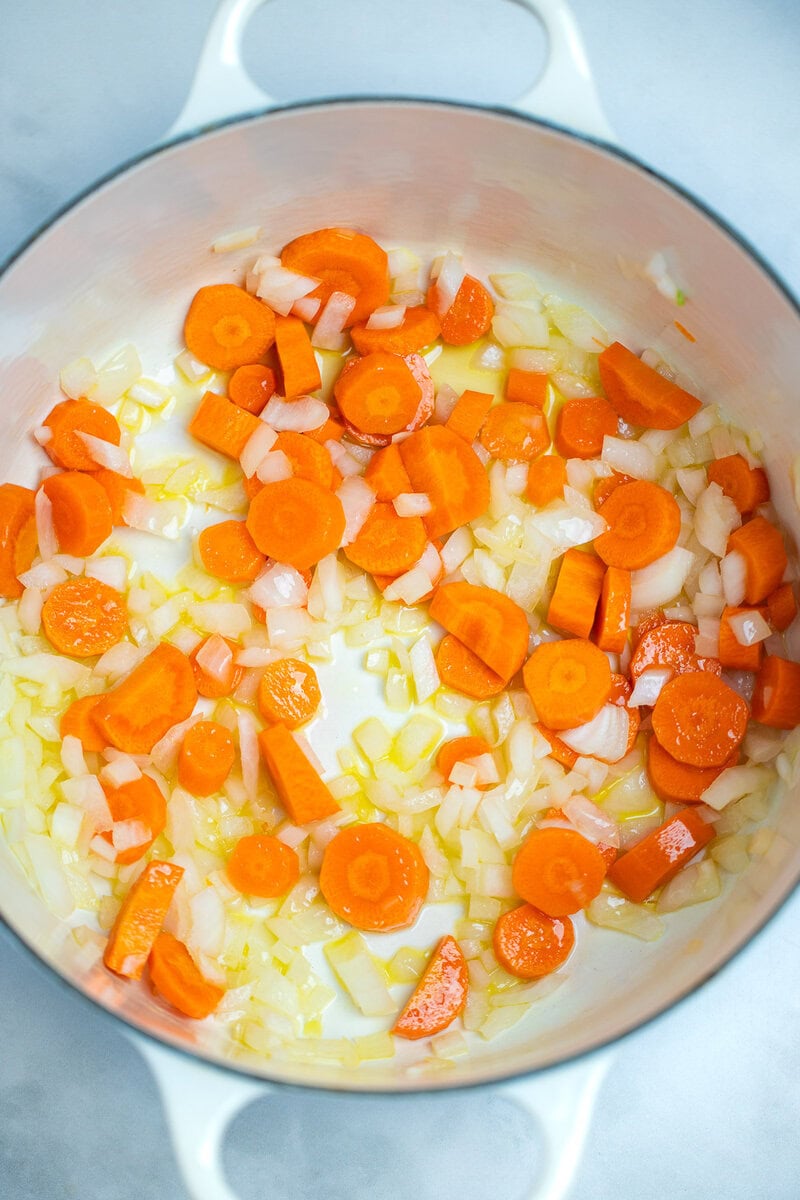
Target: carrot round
513,430
528,387
776,696
640,394
210,686
386,474
374,878
67,421
604,486
663,643
699,719
177,979
298,363
469,317
529,944
558,871
492,625
442,465
459,750
582,424
546,479
733,656
83,616
781,607
17,537
227,551
614,611
288,691
300,789
470,412
460,669
568,682
251,386
206,757
419,328
296,521
676,782
761,546
117,488
439,996
157,694
262,865
577,592
226,327
307,458
644,522
746,486
222,426
76,721
140,800
387,544
343,261
383,393
659,856
81,512
140,918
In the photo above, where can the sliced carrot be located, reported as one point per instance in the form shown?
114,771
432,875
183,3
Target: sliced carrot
373,877
781,607
558,871
640,394
226,327
469,414
300,789
298,363
699,719
559,751
604,486
206,757
439,996
117,488
157,694
17,537
676,782
460,749
262,865
614,611
461,669
331,431
577,592
307,458
67,421
251,386
568,682
527,387
288,692
442,465
83,616
529,944
140,919
776,696
227,551
296,521
81,512
746,486
469,317
546,479
644,522
210,686
420,327
387,544
176,977
659,856
76,721
582,424
663,643
343,261
492,625
733,656
222,426
761,546
384,393
386,474
515,431
140,800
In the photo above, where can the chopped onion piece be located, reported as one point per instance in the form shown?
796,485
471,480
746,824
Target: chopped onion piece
327,592
43,575
248,752
648,686
431,563
122,769
279,586
410,587
207,915
288,628
514,285
127,835
615,912
448,281
590,821
463,775
164,518
605,736
43,434
715,518
423,668
345,462
111,569
520,325
280,288
165,752
226,618
412,504
389,316
358,500
273,467
444,403
86,793
329,330
120,659
566,526
29,610
733,570
694,884
215,658
402,260
306,308
191,368
692,481
629,456
662,581
45,529
573,386
577,325
72,758
734,783
78,379
117,375
749,627
485,768
490,357
298,415
456,549
106,454
257,446
237,239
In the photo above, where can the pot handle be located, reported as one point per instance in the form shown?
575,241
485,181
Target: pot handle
221,88
200,1102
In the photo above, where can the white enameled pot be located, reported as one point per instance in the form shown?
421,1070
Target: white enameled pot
514,191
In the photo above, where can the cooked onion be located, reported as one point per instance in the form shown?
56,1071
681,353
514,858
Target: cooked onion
412,504
358,500
106,454
164,518
733,570
45,529
734,783
280,288
273,467
591,821
648,686
749,627
629,456
448,281
605,736
279,586
328,332
299,415
662,581
257,446
112,569
215,658
423,667
715,518
389,316
306,308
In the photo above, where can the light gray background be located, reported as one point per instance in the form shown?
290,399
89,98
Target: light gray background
705,1103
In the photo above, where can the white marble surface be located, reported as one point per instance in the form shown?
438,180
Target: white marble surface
706,1101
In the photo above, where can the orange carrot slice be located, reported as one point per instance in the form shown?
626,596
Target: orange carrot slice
546,479
384,393
568,682
374,878
157,694
442,465
298,363
206,757
529,944
177,979
296,521
419,328
469,317
733,656
515,431
492,625
140,800
676,782
300,789
460,669
387,544
67,421
251,386
605,486
659,856
226,327
222,426
228,551
288,692
460,749
781,607
140,919
308,459
776,696
81,512
76,721
663,643
558,871
640,394
17,537
577,592
386,474
746,486
440,995
582,424
761,546
614,611
117,488
343,261
470,412
262,865
699,719
644,523
83,616
527,387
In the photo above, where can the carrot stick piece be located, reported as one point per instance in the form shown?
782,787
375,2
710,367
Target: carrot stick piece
83,616
343,261
515,431
298,363
781,607
288,692
332,431
746,486
546,479
614,611
226,327
157,694
373,877
17,537
386,474
262,865
76,721
140,919
527,387
81,512
117,488
469,414
644,523
529,944
492,625
676,782
558,871
442,465
460,669
206,758
669,644
308,459
251,386
228,551
214,686
222,426
776,696
568,682
574,601
439,996
761,546
659,856
733,656
384,393
387,544
140,800
469,316
699,719
67,421
582,424
177,979
296,521
419,328
300,789
459,750
640,394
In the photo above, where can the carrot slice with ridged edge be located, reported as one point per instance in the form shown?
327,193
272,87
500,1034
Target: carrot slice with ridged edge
157,694
558,871
576,595
529,944
515,431
659,856
491,624
442,465
746,486
288,692
17,537
640,394
176,977
206,757
568,682
644,523
343,261
761,546
665,643
140,919
373,877
470,412
300,789
67,421
139,800
308,458
296,521
262,865
117,488
440,995
676,782
83,616
776,696
81,512
469,317
460,669
226,327
387,544
604,486
251,386
547,477
227,551
699,719
419,328
582,424
383,394
298,363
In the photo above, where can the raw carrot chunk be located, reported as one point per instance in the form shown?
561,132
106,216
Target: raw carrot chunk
384,393
206,758
582,424
251,386
733,656
298,362
157,694
288,692
460,749
546,479
439,996
644,523
746,486
387,544
781,607
614,611
226,675
676,782
307,458
222,426
81,512
568,682
640,394
575,597
228,551
419,328
461,669
83,616
469,317
527,387
515,431
117,488
529,944
17,537
300,789
140,918
76,721
66,422
558,871
776,697
699,719
659,856
226,327
262,865
343,261
386,474
373,877
492,625
296,521
176,977
141,801
442,465
469,414
761,546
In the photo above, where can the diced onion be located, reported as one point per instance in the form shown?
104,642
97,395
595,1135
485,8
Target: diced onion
164,518
257,446
215,658
409,587
238,239
106,454
423,668
298,415
749,627
448,281
615,912
72,756
715,518
692,481
306,308
629,456
112,569
279,586
127,835
694,884
43,575
401,260
165,752
358,500
226,618
122,769
648,686
444,402
577,325
605,736
734,783
456,549
431,563
117,375
86,793
566,526
78,379
207,914
29,610
119,659
328,331
662,581
327,592
345,462
490,357
520,325
288,627
45,529
591,821
248,752
412,504
733,570
280,288
389,316
273,467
